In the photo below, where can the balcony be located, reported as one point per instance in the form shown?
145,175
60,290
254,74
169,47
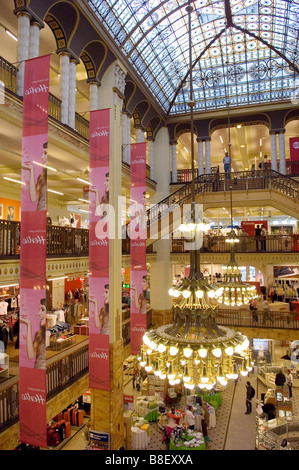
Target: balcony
247,244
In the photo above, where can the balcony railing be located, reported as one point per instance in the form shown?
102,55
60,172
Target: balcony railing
8,74
237,317
68,241
247,244
185,175
61,241
59,375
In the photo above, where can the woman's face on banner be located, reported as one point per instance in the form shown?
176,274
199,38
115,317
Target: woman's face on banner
45,155
42,315
144,284
106,296
107,184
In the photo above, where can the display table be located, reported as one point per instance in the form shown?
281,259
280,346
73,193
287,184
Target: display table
214,400
178,414
4,365
148,407
190,440
172,446
139,438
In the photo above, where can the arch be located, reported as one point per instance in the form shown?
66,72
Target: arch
292,115
97,58
63,22
221,123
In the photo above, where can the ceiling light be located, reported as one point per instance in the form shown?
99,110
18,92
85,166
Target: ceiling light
84,200
45,166
14,181
11,35
83,181
239,126
55,192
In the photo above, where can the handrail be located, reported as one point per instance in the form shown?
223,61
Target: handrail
247,244
240,180
245,318
60,374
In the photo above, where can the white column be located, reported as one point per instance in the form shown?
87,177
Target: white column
200,157
72,94
23,49
126,128
93,96
282,155
273,152
34,40
139,136
64,87
208,156
174,163
151,151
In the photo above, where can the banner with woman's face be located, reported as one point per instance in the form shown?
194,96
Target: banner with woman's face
99,321
33,241
137,233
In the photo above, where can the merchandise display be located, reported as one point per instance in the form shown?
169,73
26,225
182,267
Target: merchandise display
186,439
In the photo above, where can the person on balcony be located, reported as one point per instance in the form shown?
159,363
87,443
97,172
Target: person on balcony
263,235
227,164
38,189
257,237
266,311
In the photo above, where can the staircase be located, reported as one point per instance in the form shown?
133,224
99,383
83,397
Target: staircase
250,188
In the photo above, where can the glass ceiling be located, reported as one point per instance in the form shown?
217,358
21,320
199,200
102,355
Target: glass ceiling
253,60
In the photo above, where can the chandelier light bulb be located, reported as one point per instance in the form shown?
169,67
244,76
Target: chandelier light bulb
176,293
211,294
186,294
161,348
199,294
188,352
229,351
173,350
217,352
203,353
171,292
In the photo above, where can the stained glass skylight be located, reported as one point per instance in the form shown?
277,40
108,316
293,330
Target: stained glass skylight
253,60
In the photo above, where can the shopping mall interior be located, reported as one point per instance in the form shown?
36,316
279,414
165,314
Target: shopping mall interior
192,81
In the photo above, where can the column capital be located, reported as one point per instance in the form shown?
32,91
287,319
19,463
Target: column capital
173,142
150,139
203,139
23,13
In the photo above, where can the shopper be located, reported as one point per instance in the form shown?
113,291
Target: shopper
190,418
263,235
280,379
138,382
289,381
205,421
257,237
253,308
227,164
266,311
249,396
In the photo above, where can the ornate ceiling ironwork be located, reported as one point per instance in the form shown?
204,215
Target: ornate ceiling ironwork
244,49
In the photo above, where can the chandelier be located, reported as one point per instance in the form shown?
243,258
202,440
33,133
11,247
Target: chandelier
194,350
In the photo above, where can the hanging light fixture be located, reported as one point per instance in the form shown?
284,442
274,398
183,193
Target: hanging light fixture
194,350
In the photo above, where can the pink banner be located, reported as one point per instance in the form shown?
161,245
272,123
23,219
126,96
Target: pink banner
294,149
99,370
137,233
32,382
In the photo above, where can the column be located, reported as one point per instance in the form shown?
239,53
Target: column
174,178
107,406
282,156
208,156
72,94
151,151
139,136
64,87
161,268
200,157
94,96
34,40
273,151
126,128
23,49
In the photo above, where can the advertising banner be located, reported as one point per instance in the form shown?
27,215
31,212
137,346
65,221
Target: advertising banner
137,233
294,149
99,250
32,381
